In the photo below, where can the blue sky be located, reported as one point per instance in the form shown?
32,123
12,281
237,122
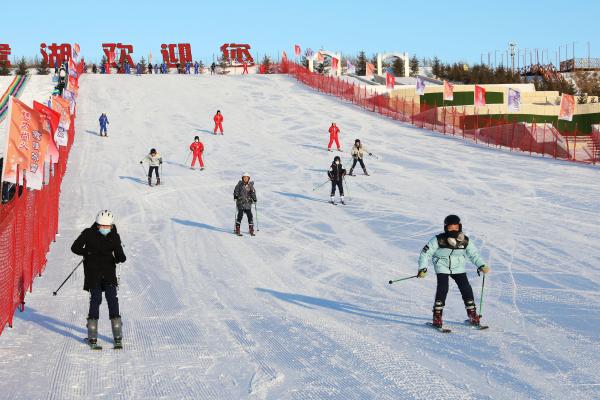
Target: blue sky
457,30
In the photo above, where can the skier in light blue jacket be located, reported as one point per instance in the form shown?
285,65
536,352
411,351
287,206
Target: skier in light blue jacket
449,252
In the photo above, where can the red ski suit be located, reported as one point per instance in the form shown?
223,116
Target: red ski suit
218,122
333,136
197,148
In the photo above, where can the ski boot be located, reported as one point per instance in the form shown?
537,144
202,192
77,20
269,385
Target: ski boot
328,149
438,310
157,181
365,171
342,200
117,330
351,170
251,229
237,229
472,313
149,181
332,201
92,339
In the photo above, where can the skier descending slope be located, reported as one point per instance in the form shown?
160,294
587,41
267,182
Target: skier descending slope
197,148
358,153
100,246
103,122
336,174
334,133
449,251
244,196
218,118
154,161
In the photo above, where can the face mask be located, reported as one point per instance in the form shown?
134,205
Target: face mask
104,231
337,162
455,238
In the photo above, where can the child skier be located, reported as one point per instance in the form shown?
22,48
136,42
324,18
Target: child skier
336,174
244,196
100,246
334,132
218,118
197,148
449,251
103,122
154,161
358,153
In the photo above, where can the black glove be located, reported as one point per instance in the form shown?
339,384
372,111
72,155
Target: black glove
160,162
141,162
370,154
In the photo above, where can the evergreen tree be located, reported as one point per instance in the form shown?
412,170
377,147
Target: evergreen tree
266,64
22,68
42,68
361,64
398,67
436,67
414,66
144,65
4,69
222,62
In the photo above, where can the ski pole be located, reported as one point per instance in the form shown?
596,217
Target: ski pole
374,156
402,279
65,281
347,189
143,169
481,298
256,209
318,186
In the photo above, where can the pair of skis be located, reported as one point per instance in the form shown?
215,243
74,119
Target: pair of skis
443,329
118,345
335,204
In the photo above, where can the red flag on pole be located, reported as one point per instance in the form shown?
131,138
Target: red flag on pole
370,69
52,119
390,80
448,91
334,64
297,50
479,96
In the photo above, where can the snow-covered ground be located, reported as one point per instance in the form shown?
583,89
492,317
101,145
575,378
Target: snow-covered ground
303,310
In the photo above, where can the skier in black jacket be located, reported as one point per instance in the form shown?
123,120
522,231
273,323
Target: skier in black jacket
100,246
336,174
244,196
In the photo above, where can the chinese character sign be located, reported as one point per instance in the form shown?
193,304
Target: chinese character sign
4,53
125,51
420,88
62,106
448,91
27,142
238,53
174,54
55,54
479,100
514,100
51,120
567,107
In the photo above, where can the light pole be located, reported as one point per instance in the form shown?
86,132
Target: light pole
512,54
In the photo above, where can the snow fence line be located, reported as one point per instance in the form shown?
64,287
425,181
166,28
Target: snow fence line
28,224
500,131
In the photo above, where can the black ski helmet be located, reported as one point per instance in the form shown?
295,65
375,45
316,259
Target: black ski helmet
337,158
357,141
452,220
196,137
152,151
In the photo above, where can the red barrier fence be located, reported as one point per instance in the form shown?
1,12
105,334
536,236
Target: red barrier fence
28,224
497,130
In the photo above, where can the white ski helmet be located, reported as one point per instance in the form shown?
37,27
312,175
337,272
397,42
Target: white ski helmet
105,217
246,175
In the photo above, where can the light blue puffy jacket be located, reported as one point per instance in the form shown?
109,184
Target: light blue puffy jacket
448,258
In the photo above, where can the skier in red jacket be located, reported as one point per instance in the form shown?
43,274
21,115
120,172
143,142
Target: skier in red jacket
218,121
197,148
334,136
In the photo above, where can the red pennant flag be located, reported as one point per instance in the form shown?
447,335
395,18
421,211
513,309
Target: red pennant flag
370,69
52,119
297,50
448,91
479,96
334,64
390,80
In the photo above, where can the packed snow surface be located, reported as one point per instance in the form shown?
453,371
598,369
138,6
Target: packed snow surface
304,309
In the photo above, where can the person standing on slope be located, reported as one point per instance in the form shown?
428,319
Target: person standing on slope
358,153
244,196
336,174
334,133
449,251
154,161
197,148
218,118
100,246
103,122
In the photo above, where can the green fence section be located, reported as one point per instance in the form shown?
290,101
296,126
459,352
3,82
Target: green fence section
460,99
582,122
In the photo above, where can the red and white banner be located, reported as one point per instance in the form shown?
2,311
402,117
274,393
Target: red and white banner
390,80
51,121
370,69
320,57
27,141
334,65
62,106
284,56
75,52
297,50
448,91
567,107
479,96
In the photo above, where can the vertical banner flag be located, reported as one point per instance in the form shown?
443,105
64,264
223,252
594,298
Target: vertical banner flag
350,68
26,145
72,68
448,91
370,69
284,56
420,89
320,57
390,80
334,65
309,52
567,107
297,50
514,100
61,106
150,57
51,121
479,96
75,52
70,96
73,84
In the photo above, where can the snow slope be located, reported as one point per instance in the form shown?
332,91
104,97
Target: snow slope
303,310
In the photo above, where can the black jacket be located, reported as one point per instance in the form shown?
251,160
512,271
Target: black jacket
336,173
244,195
100,256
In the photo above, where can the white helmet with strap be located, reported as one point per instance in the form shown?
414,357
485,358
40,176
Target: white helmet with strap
105,217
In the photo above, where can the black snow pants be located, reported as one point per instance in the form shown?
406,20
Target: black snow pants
240,215
339,186
360,160
463,285
110,293
155,169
